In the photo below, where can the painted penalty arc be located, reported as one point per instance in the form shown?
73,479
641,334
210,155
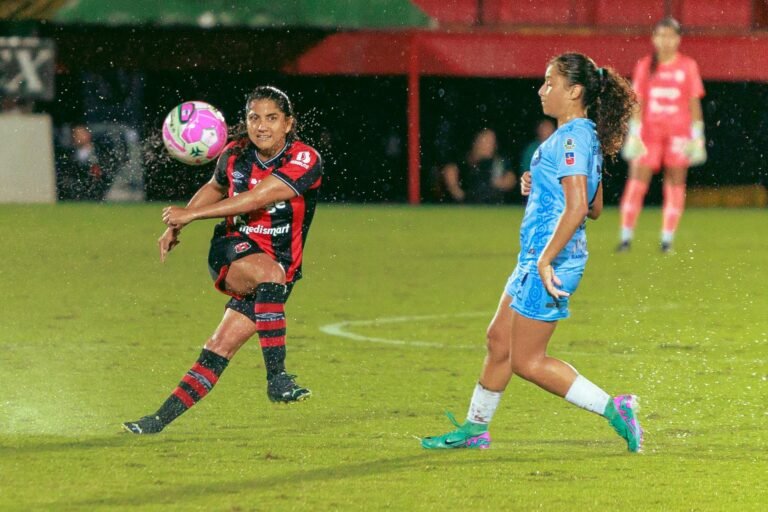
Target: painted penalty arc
340,330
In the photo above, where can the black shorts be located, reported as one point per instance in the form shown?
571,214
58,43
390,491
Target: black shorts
226,248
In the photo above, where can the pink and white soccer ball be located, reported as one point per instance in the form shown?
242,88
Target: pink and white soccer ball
194,132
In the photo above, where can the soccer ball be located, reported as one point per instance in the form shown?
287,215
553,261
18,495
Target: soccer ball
194,132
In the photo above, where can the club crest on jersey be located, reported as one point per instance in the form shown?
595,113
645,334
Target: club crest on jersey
570,158
242,247
570,144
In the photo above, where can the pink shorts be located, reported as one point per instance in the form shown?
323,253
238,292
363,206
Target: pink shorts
665,144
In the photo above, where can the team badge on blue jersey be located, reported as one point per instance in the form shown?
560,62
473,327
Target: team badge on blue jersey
570,158
570,144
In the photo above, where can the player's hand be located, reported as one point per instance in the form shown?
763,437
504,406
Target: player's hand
525,183
167,241
176,216
551,281
696,148
633,145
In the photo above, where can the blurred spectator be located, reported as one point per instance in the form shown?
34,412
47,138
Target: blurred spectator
482,176
113,103
86,169
544,128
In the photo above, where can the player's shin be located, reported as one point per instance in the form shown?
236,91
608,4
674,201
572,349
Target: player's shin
482,408
585,394
631,206
674,204
195,385
271,326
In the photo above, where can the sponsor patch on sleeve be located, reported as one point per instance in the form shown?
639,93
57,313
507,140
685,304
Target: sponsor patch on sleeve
301,164
570,158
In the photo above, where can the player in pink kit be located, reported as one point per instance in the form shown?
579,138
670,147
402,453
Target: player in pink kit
667,130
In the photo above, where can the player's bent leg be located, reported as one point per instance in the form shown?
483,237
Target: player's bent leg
246,274
233,331
266,310
530,338
497,372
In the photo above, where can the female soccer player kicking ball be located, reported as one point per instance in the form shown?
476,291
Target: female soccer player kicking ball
592,106
265,186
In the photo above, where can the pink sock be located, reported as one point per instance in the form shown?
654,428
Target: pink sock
632,202
674,204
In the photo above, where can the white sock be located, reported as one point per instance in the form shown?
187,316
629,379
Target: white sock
667,237
627,234
586,395
483,405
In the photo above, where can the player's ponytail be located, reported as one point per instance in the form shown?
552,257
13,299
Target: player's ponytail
608,97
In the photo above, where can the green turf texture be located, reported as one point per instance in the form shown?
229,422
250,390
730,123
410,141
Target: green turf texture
94,331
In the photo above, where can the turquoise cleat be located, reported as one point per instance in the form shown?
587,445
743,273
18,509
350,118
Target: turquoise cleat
621,413
468,435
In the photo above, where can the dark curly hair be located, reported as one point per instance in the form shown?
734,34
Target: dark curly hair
608,97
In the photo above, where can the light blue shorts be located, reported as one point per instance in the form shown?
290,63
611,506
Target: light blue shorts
530,298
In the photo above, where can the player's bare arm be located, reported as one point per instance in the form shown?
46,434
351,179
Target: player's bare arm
271,190
576,209
696,111
210,193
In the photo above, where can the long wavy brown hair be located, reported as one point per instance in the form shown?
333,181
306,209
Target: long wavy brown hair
608,97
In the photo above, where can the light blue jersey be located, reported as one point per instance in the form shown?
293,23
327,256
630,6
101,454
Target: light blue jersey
572,150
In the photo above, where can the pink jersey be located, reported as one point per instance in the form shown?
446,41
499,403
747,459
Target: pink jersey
666,95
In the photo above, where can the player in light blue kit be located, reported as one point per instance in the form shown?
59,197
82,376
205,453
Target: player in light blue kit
592,107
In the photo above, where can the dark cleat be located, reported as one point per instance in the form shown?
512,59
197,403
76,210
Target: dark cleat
283,388
624,246
146,425
666,247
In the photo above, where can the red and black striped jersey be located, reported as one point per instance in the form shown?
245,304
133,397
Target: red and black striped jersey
280,229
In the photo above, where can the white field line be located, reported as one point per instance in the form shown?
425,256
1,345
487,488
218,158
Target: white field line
340,330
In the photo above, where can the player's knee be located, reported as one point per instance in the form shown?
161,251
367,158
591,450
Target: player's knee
273,274
244,279
219,344
497,344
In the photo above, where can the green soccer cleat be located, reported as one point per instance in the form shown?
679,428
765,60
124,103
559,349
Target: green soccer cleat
145,425
621,413
468,435
283,388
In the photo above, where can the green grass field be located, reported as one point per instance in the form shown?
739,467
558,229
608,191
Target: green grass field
387,329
